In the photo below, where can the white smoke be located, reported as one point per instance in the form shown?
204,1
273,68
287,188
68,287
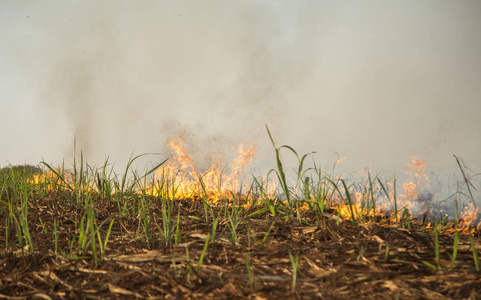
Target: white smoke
376,82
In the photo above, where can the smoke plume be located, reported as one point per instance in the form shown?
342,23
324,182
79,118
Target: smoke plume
376,82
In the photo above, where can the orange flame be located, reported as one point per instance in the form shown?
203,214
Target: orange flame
417,183
181,179
467,219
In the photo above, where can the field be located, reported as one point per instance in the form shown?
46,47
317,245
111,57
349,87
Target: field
88,233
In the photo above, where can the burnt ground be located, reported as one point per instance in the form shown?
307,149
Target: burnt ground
337,260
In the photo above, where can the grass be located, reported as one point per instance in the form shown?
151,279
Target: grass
250,273
475,254
143,209
437,266
295,269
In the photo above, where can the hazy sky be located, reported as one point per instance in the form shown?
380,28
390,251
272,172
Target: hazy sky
375,81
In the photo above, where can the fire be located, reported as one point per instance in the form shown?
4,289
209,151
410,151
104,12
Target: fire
417,169
359,208
49,179
413,197
413,201
467,219
180,178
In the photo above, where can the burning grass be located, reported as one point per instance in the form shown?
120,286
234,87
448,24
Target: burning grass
175,231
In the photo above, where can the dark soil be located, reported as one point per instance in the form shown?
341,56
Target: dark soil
337,260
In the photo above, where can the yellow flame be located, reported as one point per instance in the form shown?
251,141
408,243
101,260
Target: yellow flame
180,178
184,180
